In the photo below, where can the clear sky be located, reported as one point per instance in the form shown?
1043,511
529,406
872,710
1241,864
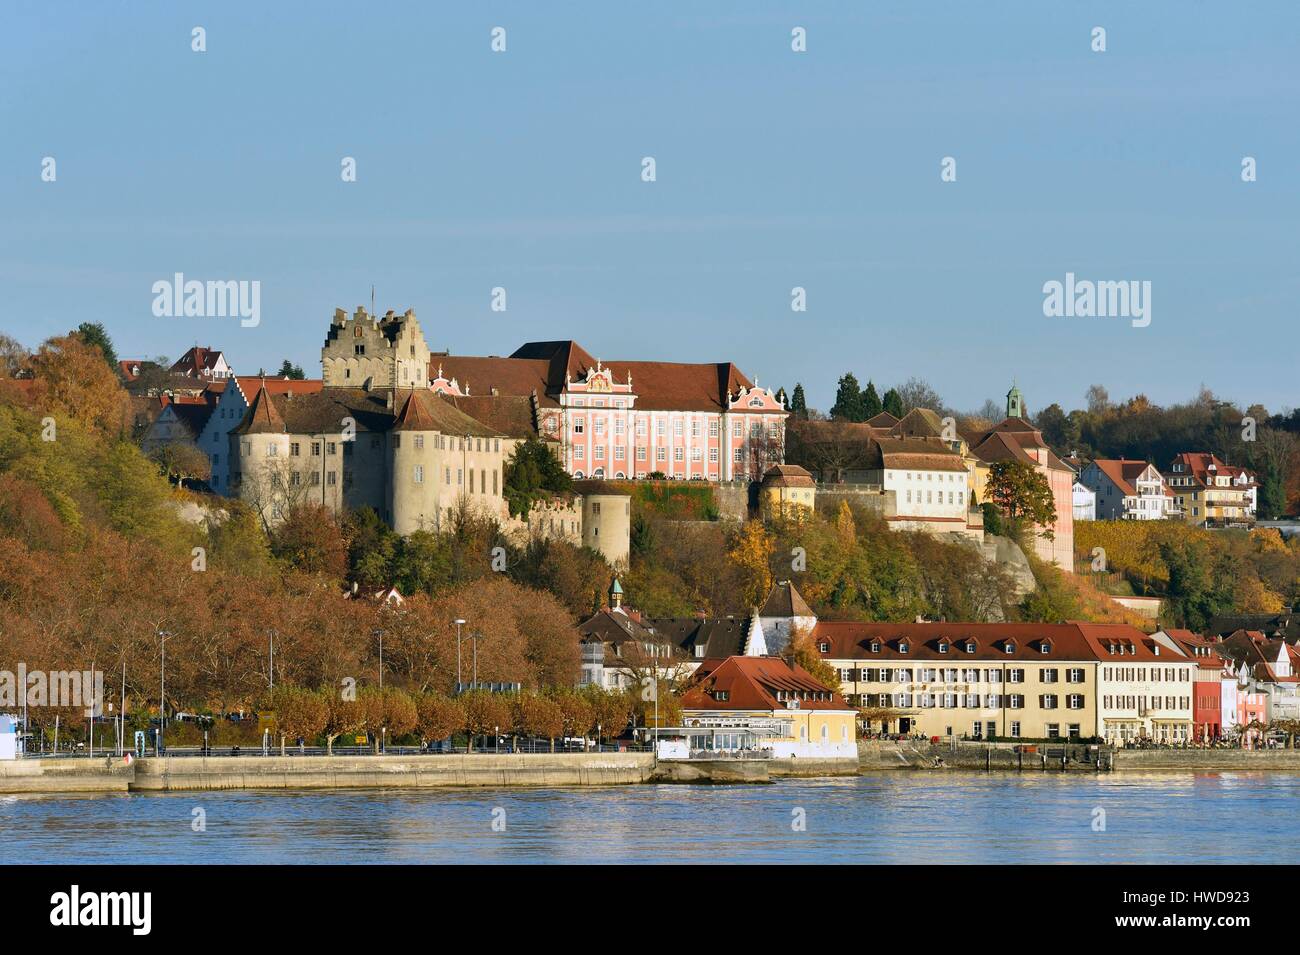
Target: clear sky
775,169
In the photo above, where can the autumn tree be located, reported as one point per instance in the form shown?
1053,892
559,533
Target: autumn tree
485,714
344,715
1022,493
73,380
751,551
611,710
309,539
536,715
299,713
180,459
13,356
438,716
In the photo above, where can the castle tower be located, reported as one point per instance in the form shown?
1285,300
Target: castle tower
1015,403
366,351
413,468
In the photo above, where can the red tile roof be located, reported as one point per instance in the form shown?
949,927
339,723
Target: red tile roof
787,475
543,367
250,384
752,683
851,640
1122,472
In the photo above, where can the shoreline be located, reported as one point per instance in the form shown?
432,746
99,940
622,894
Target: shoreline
111,774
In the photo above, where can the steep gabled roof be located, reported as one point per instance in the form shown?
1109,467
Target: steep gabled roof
262,417
1122,472
414,416
752,683
784,600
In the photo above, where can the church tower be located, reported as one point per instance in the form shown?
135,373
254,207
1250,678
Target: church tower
1015,403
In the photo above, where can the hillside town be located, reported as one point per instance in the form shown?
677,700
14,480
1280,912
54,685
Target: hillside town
553,448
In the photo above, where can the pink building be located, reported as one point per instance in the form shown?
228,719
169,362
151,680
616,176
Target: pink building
629,419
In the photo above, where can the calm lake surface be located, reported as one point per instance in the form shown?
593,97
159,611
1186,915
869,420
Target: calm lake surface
899,817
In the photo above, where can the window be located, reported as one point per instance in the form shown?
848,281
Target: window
419,442
419,474
1015,676
1048,701
331,478
1074,701
578,426
1016,701
1047,676
1074,675
295,449
1015,729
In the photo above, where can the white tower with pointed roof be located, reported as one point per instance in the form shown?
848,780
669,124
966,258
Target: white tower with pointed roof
755,642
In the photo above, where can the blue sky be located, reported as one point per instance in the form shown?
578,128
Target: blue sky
774,170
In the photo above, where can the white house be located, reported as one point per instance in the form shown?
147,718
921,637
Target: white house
1084,501
238,393
1127,490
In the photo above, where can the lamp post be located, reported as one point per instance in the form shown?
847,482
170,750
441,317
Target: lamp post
459,622
272,671
163,636
380,635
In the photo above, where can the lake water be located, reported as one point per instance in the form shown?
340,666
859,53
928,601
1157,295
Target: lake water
898,817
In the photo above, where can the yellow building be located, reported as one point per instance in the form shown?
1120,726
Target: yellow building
787,491
1207,491
765,705
977,681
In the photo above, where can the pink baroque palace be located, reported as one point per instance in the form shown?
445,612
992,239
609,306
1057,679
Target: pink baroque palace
630,419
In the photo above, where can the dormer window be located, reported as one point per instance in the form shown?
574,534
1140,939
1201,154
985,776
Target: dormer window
875,646
970,646
943,647
1009,647
721,696
824,647
902,646
1044,647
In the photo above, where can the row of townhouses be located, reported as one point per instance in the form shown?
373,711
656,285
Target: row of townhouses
1196,487
982,680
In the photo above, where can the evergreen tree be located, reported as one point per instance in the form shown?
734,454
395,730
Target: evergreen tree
782,398
290,371
893,403
848,399
93,333
871,404
798,404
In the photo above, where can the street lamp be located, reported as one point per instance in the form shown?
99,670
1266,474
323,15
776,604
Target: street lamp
380,635
459,622
163,635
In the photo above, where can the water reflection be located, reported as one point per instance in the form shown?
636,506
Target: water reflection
881,818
